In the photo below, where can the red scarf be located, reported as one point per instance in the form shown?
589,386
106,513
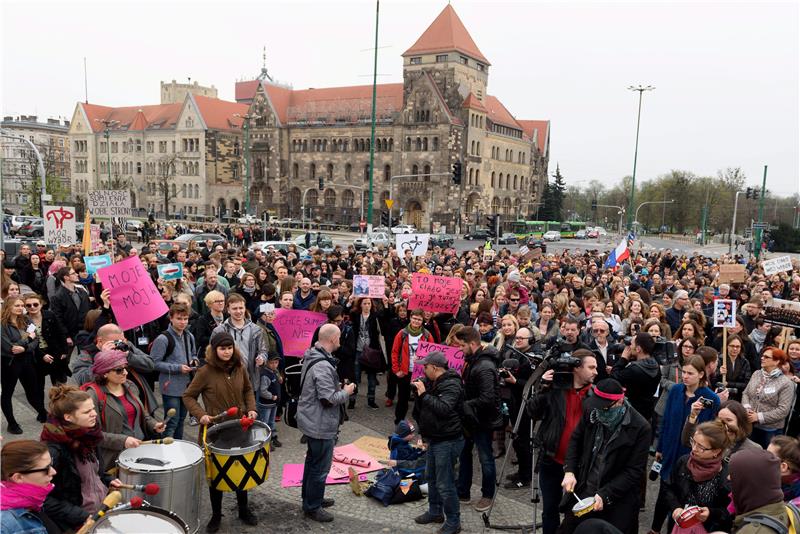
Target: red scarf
81,441
703,470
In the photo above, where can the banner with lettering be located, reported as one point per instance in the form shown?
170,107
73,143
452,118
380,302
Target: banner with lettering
369,286
59,225
105,203
134,297
296,328
777,265
454,355
440,294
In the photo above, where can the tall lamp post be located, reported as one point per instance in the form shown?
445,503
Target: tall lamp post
641,89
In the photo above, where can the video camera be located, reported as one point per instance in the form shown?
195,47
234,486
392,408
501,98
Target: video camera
664,351
562,364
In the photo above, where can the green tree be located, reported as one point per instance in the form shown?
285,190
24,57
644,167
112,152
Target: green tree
553,199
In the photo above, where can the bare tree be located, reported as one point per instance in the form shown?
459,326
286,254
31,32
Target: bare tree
165,180
32,187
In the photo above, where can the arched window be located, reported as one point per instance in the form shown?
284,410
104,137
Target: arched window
348,169
196,191
408,144
425,144
515,181
469,181
419,144
415,170
347,198
387,173
478,153
391,145
295,171
305,145
183,191
435,144
330,198
500,181
172,191
477,177
312,171
427,172
472,147
366,173
312,197
492,178
495,205
330,171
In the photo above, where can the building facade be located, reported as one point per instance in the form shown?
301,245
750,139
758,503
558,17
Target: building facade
441,114
175,93
21,182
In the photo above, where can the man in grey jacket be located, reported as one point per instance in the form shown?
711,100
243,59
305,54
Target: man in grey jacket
319,410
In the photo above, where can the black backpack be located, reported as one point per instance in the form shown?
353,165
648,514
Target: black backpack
291,404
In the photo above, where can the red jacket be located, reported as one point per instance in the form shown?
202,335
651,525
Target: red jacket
400,356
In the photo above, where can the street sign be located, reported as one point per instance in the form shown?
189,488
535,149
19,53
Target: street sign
761,225
389,203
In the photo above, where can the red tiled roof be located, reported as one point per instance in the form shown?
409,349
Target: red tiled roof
472,102
139,122
164,115
219,114
446,33
498,113
542,130
246,90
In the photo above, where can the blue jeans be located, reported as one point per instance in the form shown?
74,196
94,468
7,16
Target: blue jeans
175,424
482,440
372,378
266,414
319,458
440,471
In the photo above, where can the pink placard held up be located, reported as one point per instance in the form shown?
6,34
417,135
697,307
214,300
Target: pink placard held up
134,297
439,294
454,355
296,328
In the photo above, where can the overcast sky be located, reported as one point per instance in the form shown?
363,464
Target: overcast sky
726,73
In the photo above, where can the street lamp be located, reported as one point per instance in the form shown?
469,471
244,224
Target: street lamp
636,215
641,89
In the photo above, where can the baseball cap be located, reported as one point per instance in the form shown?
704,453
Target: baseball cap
436,358
41,244
404,428
604,394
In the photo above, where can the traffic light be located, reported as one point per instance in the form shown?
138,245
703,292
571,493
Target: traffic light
491,223
385,218
395,221
457,173
321,183
594,205
749,193
756,193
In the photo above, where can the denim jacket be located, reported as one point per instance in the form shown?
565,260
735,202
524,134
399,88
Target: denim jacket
21,521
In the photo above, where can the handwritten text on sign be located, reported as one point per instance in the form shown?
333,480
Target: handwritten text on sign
110,203
369,286
134,297
296,328
777,265
454,355
435,293
59,225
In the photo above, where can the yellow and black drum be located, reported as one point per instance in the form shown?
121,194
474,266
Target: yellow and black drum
236,459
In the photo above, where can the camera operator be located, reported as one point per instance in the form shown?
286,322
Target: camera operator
567,340
515,373
639,373
560,410
111,337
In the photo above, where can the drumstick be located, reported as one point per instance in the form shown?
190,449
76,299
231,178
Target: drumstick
230,412
148,489
111,500
164,441
170,414
135,502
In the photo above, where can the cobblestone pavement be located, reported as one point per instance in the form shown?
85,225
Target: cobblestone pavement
279,510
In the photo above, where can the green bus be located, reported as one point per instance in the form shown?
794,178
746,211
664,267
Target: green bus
527,229
569,229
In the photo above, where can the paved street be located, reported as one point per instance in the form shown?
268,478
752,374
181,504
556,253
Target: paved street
279,508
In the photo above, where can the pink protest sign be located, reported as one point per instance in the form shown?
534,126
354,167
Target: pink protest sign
351,456
292,477
134,297
373,287
439,294
296,328
454,355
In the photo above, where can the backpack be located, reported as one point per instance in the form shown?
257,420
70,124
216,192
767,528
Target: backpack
170,343
102,398
768,521
291,404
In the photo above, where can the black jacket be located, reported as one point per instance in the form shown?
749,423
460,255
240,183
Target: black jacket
72,317
374,332
438,411
201,330
11,336
640,379
63,504
54,335
482,390
620,475
680,490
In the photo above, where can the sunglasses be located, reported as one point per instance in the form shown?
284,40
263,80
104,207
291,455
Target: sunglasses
120,370
32,305
44,470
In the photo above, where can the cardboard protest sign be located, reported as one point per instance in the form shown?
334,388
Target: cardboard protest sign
59,225
435,293
731,274
416,243
107,203
134,297
523,250
724,313
777,265
292,477
454,355
95,263
369,286
170,271
296,328
375,447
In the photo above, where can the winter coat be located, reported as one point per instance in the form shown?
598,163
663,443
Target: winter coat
269,388
773,402
64,308
401,352
640,378
202,329
481,390
549,406
738,376
374,333
251,342
439,411
172,381
321,403
681,490
11,336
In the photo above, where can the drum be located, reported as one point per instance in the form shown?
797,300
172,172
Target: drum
236,459
583,506
177,468
151,520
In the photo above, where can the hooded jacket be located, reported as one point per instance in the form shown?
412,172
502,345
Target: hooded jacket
482,389
251,342
640,379
170,378
756,487
321,401
438,411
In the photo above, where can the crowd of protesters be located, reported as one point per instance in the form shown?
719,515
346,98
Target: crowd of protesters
696,415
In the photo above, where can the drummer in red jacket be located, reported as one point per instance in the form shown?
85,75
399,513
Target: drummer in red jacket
223,382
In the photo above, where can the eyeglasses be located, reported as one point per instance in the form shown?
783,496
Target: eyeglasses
514,300
40,470
694,445
120,370
765,357
33,305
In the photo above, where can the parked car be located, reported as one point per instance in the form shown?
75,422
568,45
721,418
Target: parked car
507,239
552,235
592,233
536,242
581,234
18,221
375,239
33,228
480,234
441,240
315,239
601,231
283,246
200,239
404,229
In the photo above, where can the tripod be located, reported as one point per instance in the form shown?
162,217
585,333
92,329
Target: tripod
538,371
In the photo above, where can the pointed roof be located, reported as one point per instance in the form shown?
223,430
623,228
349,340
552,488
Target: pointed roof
219,114
446,33
472,102
498,113
537,130
139,122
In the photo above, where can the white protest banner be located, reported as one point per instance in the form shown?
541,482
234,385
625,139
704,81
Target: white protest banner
724,313
777,265
107,203
523,250
416,243
59,225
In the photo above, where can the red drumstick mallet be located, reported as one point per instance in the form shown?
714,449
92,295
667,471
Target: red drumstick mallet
136,502
148,489
233,411
246,423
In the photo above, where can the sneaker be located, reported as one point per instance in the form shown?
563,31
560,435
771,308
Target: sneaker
517,484
428,518
276,443
214,524
248,517
193,421
319,515
14,429
327,503
372,405
444,529
483,504
389,403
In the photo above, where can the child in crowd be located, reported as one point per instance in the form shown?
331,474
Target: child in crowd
408,460
269,395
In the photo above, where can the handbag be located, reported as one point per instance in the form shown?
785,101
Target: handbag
372,359
291,404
